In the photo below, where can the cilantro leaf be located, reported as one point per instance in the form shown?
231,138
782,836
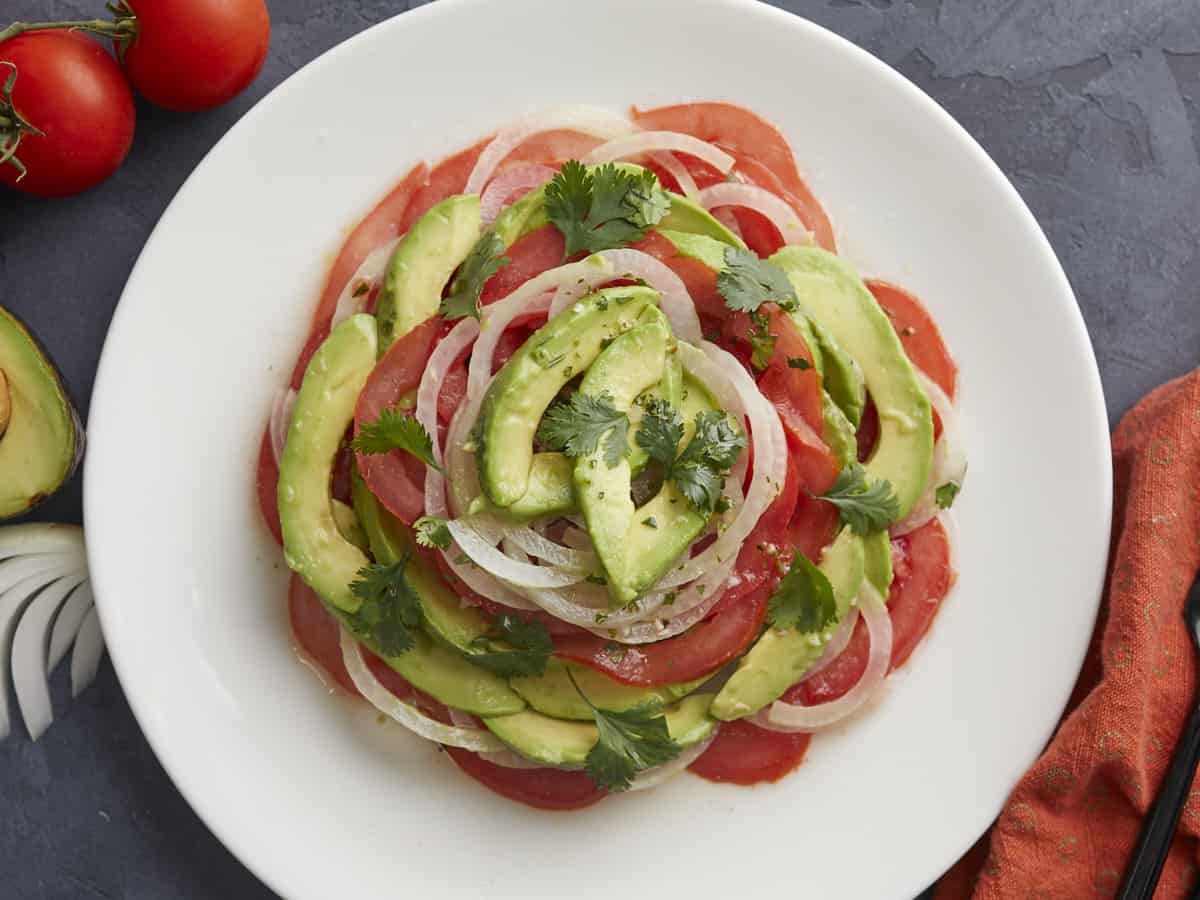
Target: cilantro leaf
485,260
603,210
531,645
699,472
946,493
798,362
863,507
699,484
394,430
577,426
762,342
660,431
803,599
389,610
629,742
748,282
431,531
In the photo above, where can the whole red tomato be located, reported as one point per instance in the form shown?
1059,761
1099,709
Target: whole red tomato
195,54
69,88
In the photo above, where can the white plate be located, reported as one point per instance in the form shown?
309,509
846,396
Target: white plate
310,792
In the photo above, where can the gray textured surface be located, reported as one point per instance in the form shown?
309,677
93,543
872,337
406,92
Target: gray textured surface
1092,107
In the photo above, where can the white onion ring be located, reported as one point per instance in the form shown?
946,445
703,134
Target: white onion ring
370,271
678,171
509,186
646,632
949,460
533,296
509,759
644,142
281,418
29,664
406,714
441,360
595,121
835,645
649,778
507,569
780,716
543,548
751,196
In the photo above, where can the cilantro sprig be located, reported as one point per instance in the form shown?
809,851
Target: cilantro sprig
578,425
394,430
530,642
803,599
629,742
748,282
946,494
604,209
485,260
431,531
390,610
699,471
863,507
762,341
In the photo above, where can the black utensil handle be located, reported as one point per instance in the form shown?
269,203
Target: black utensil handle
1148,857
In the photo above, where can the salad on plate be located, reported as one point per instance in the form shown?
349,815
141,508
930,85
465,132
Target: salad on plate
600,464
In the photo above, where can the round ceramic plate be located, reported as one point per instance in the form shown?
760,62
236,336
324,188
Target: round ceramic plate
312,793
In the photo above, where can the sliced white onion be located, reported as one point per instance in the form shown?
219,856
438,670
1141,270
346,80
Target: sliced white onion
39,537
706,593
543,548
508,187
405,713
949,460
649,778
451,347
678,171
751,196
66,624
281,420
780,716
644,142
531,297
29,667
352,300
836,644
85,657
518,574
595,121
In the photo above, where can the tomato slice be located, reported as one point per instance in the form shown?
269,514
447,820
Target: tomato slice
396,478
551,148
530,255
923,576
552,789
919,334
699,279
266,484
743,753
758,147
383,223
446,179
317,631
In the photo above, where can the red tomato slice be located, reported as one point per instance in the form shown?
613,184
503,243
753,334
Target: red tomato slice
743,753
923,576
799,198
383,223
266,484
396,478
751,139
453,392
530,255
448,178
918,333
552,789
551,148
699,279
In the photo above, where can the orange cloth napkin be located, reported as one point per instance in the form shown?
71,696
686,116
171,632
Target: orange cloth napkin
1070,824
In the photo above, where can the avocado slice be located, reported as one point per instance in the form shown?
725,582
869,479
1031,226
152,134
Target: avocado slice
422,264
553,694
839,434
830,292
841,375
312,543
557,742
780,658
633,552
532,378
41,440
877,549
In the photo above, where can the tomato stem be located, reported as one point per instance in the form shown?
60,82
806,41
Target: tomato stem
121,31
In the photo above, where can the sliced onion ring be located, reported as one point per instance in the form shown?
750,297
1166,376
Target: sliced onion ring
780,716
762,201
508,570
835,645
678,171
949,460
406,714
645,142
509,185
590,120
281,419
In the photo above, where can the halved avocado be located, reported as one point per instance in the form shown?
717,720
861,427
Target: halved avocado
41,439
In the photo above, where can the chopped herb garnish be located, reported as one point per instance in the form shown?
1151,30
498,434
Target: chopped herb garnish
946,494
699,471
485,260
604,209
530,643
803,599
748,282
762,342
629,742
799,362
577,426
394,430
863,507
660,432
389,611
360,288
431,531
650,522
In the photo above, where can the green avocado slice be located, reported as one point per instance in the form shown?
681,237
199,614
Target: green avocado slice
553,694
830,292
41,440
532,378
780,658
557,742
422,264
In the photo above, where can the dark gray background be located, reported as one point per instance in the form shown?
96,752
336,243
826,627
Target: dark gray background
1092,108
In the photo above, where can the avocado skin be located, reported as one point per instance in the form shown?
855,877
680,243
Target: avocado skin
42,443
